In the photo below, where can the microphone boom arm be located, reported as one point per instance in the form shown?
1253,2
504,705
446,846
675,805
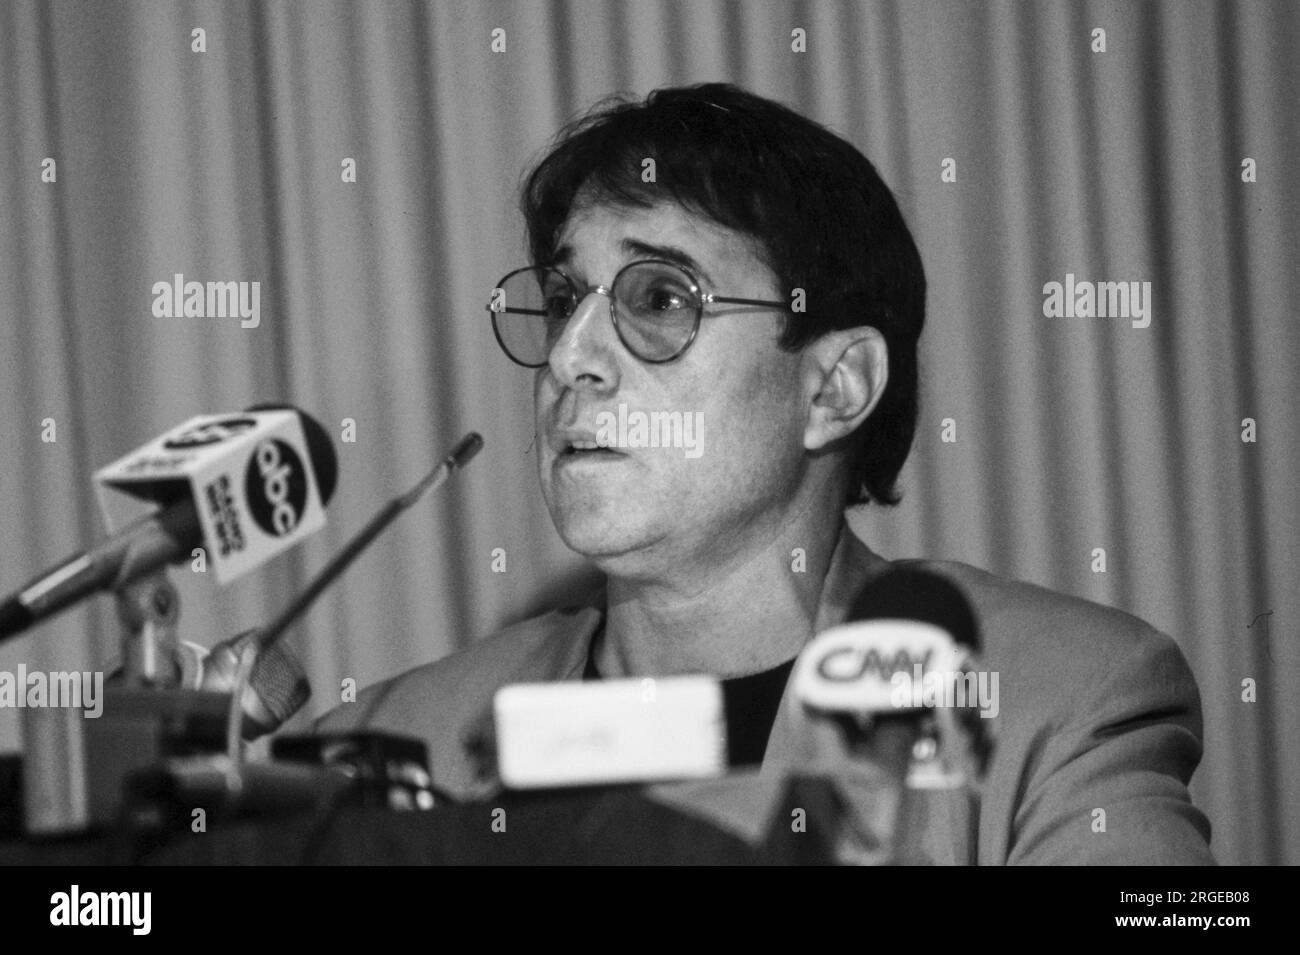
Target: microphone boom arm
458,457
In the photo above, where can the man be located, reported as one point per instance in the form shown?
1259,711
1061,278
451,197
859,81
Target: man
713,255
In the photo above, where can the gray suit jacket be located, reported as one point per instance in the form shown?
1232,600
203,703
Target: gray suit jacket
1097,711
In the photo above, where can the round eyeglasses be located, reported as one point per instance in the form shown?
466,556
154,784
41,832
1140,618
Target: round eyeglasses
655,306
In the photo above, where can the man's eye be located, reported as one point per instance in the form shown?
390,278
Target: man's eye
558,308
663,299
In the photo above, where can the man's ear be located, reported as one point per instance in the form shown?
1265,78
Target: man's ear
844,375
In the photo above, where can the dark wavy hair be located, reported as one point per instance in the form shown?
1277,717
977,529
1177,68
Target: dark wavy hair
816,208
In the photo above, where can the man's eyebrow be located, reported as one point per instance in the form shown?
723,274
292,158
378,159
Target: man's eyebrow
669,253
635,248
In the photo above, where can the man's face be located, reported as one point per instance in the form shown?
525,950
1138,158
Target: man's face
648,511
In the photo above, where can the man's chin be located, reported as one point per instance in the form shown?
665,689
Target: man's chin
595,539
601,537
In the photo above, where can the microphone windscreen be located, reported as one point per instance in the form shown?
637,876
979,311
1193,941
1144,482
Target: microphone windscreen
465,450
277,687
280,682
906,593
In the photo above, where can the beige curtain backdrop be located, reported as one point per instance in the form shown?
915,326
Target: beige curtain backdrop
1072,434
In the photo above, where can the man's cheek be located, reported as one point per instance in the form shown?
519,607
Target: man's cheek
545,392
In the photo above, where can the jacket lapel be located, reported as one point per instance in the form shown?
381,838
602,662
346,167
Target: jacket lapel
852,565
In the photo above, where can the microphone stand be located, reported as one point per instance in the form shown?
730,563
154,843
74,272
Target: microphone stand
149,609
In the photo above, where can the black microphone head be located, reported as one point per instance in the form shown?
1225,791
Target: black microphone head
465,449
909,593
324,461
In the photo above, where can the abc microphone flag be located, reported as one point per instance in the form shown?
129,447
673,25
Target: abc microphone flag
249,475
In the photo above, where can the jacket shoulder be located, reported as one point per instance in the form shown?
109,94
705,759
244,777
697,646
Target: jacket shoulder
1056,640
1099,718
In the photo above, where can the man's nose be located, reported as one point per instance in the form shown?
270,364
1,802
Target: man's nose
585,354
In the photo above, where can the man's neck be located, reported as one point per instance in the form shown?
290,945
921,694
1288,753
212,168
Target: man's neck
753,608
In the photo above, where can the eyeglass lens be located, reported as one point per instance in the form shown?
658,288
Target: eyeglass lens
657,307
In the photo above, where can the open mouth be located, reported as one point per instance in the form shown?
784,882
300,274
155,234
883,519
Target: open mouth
589,449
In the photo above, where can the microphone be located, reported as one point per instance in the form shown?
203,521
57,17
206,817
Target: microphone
907,652
233,484
276,689
227,781
886,704
265,639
